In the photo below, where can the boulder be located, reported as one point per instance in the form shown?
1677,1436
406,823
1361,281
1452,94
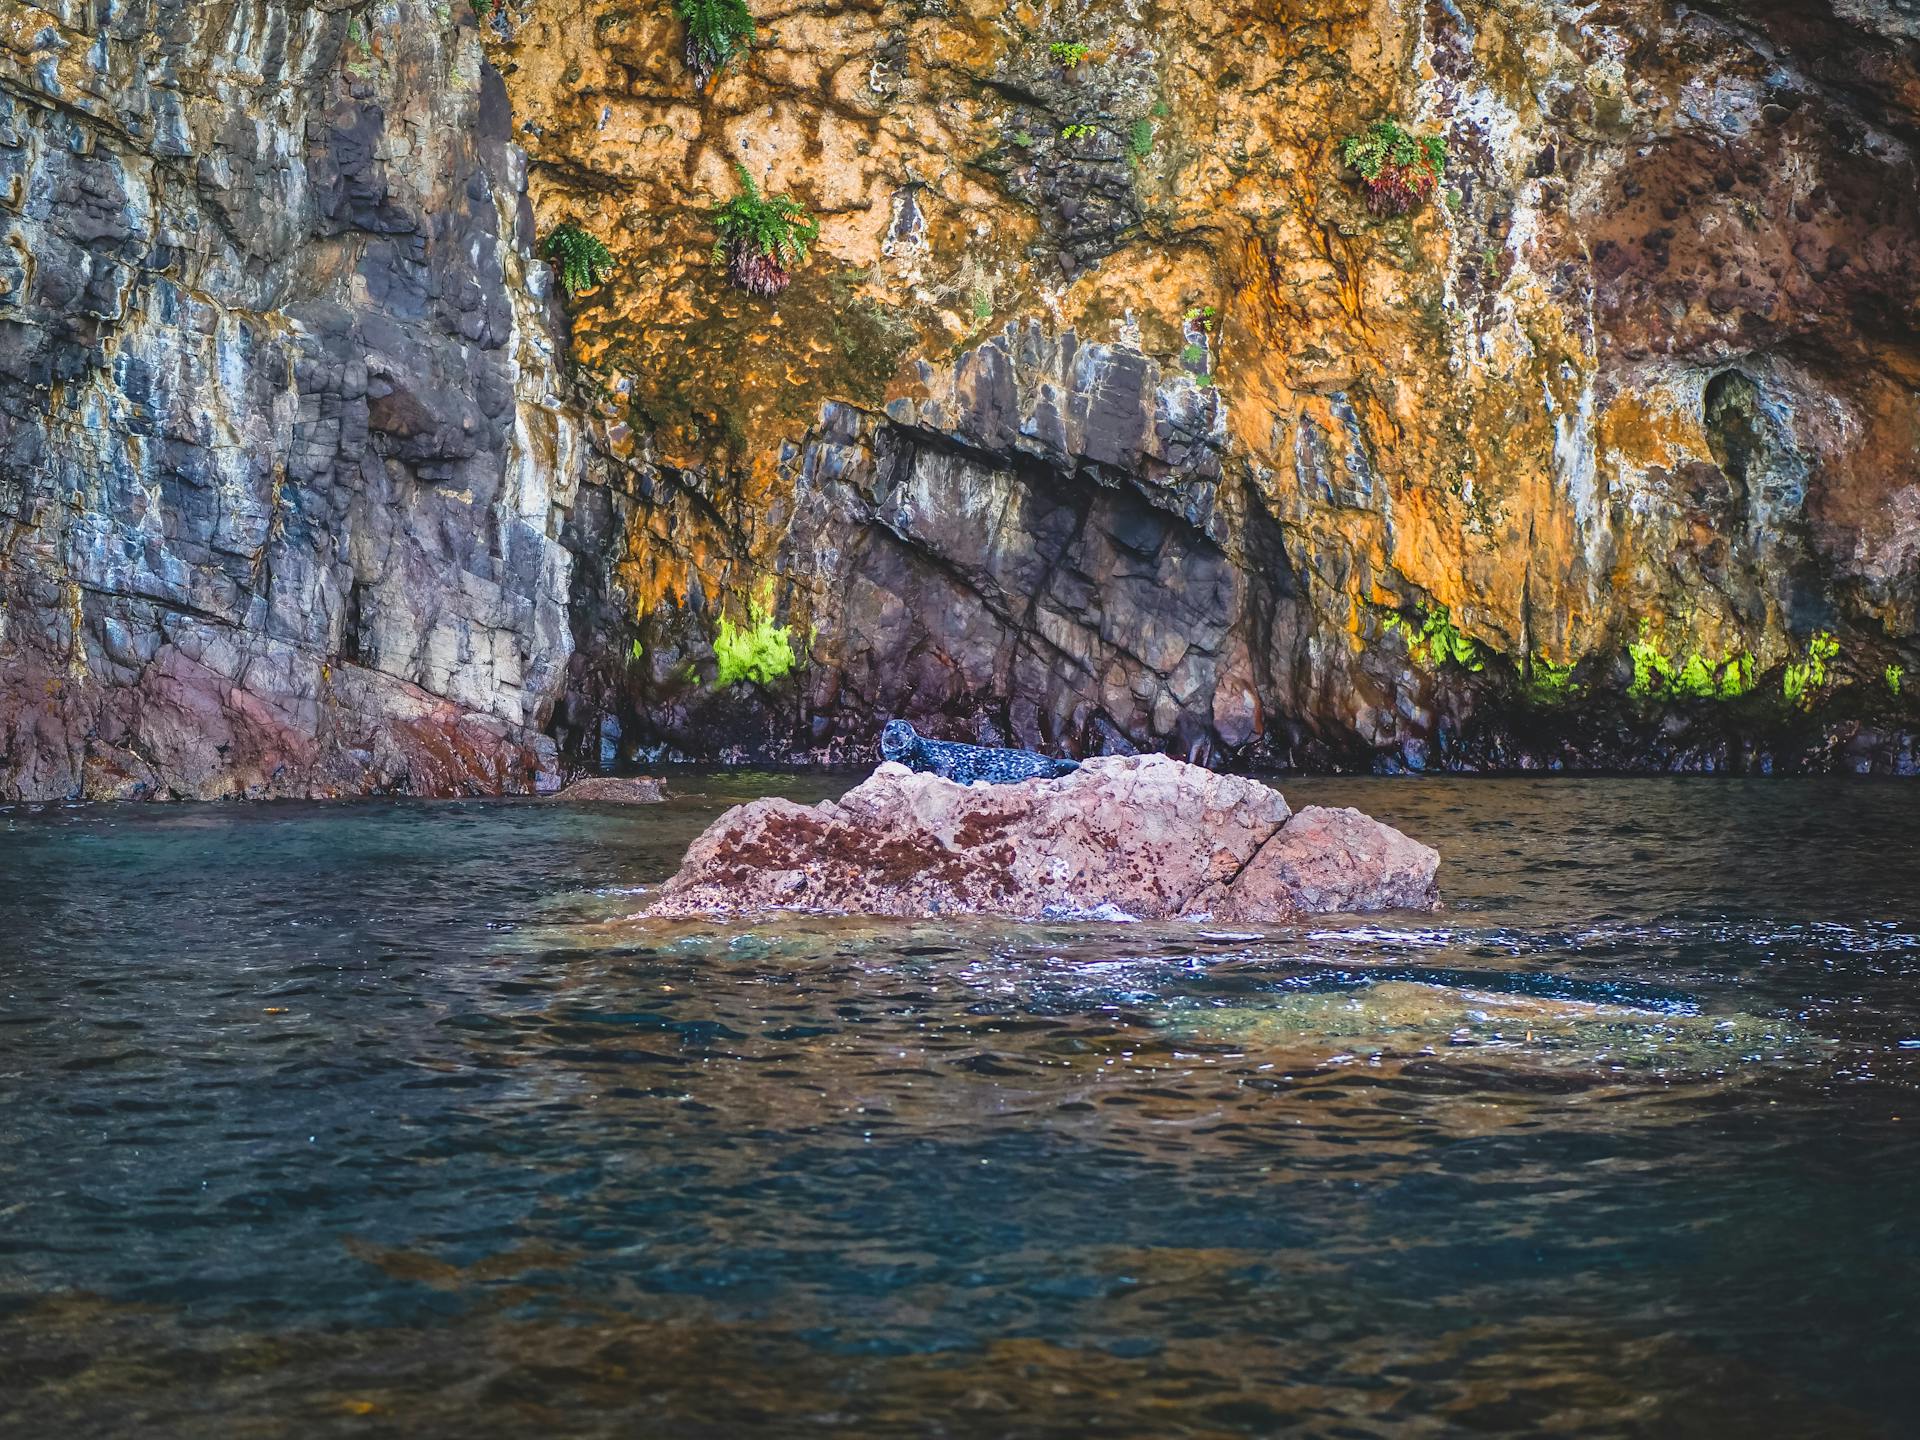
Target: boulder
1124,837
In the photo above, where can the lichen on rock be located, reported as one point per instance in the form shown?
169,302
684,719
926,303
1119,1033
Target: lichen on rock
1144,838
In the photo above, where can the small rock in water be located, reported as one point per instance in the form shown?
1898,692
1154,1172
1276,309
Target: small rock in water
1146,837
615,790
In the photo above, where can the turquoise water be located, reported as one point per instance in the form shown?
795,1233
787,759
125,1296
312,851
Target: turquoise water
378,1119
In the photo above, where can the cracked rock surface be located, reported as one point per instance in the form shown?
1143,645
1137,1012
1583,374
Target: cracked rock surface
1103,418
281,472
1136,837
1106,417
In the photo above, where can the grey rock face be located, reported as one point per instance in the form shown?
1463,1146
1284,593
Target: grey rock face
1043,545
280,472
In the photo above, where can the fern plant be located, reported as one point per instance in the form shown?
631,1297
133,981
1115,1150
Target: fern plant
581,260
717,31
1399,168
762,237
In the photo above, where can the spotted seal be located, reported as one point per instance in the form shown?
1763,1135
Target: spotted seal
901,743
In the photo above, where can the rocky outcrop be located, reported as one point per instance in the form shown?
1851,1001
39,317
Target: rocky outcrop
1107,417
282,469
1147,838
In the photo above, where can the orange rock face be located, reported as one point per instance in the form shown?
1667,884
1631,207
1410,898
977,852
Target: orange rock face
1106,414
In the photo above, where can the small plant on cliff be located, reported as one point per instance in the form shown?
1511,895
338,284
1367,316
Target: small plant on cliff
1076,131
1896,675
1068,52
1399,169
760,651
581,260
1140,139
717,31
762,237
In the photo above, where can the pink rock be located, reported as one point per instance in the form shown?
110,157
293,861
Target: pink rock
1334,860
1146,837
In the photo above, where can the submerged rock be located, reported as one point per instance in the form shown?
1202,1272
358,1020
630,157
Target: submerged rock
615,790
1140,837
1430,1019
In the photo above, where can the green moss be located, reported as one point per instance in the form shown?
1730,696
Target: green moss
1651,668
1736,677
1804,679
1437,640
1695,678
1550,684
1140,139
760,651
1896,674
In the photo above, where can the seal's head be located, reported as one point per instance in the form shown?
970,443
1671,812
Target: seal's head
897,741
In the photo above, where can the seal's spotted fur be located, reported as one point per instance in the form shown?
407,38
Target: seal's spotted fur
966,764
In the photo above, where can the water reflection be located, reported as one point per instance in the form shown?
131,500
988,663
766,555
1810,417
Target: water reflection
387,1119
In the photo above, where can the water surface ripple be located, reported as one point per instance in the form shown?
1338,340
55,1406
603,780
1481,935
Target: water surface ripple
379,1119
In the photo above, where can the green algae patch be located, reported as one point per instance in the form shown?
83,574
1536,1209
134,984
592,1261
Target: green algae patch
1432,639
1805,679
1412,1017
1698,677
1548,684
759,651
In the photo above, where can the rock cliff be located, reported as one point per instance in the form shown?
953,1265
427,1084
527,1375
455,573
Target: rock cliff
1105,415
282,461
